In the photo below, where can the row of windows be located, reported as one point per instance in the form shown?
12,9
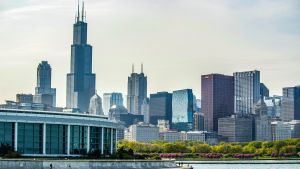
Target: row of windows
30,138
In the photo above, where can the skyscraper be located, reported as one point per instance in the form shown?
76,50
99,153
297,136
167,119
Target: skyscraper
145,110
217,94
160,107
137,91
43,92
95,106
246,91
291,103
110,99
182,107
80,80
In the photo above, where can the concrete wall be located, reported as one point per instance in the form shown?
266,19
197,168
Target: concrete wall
85,164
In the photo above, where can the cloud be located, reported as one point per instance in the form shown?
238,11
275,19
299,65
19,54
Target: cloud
178,40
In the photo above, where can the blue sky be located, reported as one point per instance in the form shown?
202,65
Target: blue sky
177,40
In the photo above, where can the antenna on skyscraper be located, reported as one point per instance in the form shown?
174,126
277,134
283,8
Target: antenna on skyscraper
142,67
132,67
78,14
82,13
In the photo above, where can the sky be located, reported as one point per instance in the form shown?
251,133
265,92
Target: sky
176,40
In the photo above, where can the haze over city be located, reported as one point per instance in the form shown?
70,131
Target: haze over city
177,42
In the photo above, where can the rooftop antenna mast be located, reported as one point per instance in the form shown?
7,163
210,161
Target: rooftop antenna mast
132,67
82,12
78,14
142,68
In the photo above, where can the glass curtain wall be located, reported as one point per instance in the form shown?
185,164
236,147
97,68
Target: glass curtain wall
95,139
7,133
30,138
78,140
56,139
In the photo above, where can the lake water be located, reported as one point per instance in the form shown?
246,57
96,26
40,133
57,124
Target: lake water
246,166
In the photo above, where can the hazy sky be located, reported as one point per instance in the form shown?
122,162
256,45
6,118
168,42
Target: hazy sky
177,40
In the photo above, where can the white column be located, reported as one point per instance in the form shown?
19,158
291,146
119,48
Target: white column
88,140
116,139
102,140
111,140
69,138
16,136
44,138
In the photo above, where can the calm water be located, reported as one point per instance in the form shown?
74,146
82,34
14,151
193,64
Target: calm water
246,166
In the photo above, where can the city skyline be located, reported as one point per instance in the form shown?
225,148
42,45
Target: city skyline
24,50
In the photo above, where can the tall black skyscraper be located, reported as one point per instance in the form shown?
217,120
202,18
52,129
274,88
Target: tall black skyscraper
43,91
160,107
137,91
80,80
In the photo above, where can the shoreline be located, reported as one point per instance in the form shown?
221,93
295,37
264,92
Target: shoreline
275,161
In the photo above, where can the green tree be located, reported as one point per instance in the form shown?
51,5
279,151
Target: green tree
201,148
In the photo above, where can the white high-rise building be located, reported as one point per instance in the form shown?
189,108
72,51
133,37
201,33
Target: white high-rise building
95,107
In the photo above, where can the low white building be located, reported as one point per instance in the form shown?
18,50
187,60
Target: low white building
141,132
169,136
281,130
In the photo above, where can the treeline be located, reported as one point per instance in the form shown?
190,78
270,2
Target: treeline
280,148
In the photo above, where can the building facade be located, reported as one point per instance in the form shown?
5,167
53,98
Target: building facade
217,98
24,98
291,103
142,132
246,91
160,107
44,94
236,129
145,110
198,122
95,107
262,122
281,130
80,81
110,99
56,133
182,110
136,91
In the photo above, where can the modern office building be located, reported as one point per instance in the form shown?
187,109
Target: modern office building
24,98
291,103
295,128
110,99
170,136
136,91
246,91
160,107
264,91
236,129
182,110
217,98
80,81
56,133
163,125
262,123
202,136
198,121
281,130
95,107
142,132
44,94
274,105
145,110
